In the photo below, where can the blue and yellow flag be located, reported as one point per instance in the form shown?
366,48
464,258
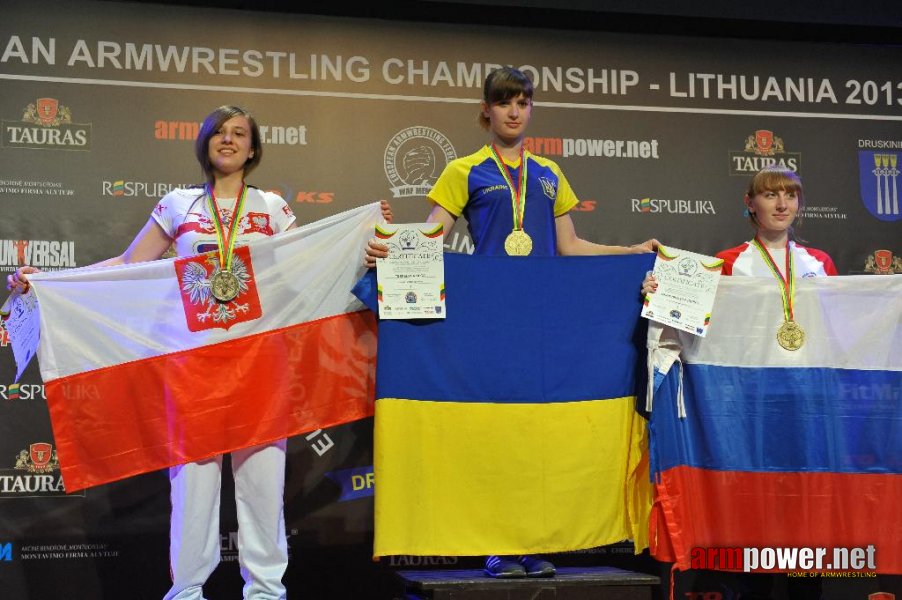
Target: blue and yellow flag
510,426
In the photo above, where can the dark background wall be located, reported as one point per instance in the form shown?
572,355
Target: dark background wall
329,146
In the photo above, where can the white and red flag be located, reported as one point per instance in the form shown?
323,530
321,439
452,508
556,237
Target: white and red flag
144,369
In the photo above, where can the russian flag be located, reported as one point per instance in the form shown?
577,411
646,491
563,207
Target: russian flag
510,426
756,446
144,369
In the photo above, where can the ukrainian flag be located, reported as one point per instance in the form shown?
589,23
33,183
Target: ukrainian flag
510,426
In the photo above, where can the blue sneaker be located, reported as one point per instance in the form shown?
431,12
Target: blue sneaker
504,567
536,566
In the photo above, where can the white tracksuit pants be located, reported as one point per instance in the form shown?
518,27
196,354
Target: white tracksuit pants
194,542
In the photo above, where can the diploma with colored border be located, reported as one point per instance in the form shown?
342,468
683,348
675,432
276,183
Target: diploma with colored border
687,283
411,281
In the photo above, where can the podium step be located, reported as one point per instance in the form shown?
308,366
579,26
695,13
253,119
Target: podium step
570,583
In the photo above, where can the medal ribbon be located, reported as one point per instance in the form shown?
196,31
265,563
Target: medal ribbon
226,248
787,285
518,194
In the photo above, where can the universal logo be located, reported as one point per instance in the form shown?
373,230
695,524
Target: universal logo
47,125
414,158
49,255
763,149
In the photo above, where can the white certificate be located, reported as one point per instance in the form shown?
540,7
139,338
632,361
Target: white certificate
23,322
687,283
411,281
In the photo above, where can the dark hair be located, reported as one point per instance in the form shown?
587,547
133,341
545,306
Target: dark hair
775,178
503,84
209,128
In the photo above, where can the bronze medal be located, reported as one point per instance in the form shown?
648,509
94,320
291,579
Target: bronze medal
224,286
518,243
790,335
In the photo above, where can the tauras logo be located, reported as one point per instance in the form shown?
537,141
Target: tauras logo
46,125
44,254
763,149
677,206
35,474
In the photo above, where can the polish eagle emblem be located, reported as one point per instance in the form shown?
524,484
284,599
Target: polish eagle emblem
202,309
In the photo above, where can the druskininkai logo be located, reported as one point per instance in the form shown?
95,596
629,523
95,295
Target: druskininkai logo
46,125
762,149
879,183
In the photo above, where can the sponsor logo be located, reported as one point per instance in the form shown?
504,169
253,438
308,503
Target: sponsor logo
35,474
763,149
593,148
675,207
26,187
879,183
414,158
822,212
67,551
6,551
46,125
882,262
354,483
585,206
228,545
315,197
841,559
22,391
270,135
48,255
202,310
406,560
123,188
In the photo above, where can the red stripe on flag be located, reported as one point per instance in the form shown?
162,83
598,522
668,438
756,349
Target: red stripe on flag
718,509
149,414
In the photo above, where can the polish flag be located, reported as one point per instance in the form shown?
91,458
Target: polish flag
144,369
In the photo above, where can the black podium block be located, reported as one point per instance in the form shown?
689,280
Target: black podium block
570,583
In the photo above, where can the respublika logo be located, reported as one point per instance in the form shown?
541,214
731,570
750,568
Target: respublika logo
124,188
879,178
672,206
47,125
22,391
763,149
47,255
35,474
414,158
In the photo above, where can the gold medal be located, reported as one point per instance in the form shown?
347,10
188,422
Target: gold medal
790,335
224,286
518,243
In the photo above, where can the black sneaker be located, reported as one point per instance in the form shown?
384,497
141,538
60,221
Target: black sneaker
536,566
504,567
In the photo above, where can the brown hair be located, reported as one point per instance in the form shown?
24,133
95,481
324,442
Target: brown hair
776,178
209,128
503,84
